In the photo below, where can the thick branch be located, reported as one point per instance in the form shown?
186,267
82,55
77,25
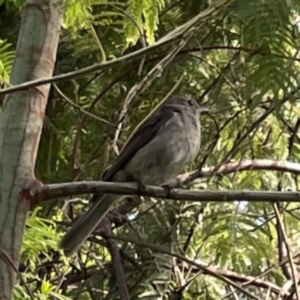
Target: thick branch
51,191
76,188
20,127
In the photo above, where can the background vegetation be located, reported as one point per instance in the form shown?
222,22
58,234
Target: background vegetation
243,63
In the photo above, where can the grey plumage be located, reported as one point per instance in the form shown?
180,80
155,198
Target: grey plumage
156,153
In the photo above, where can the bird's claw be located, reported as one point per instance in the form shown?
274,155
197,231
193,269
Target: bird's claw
141,188
168,189
117,218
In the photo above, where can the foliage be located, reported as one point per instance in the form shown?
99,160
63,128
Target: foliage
6,60
244,65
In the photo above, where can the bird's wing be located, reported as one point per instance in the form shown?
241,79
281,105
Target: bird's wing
144,134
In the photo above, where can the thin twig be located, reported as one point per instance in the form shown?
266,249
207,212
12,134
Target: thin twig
5,257
201,267
288,250
137,89
80,108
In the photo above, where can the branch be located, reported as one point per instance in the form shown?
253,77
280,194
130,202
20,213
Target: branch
289,254
137,89
79,108
117,263
82,187
51,191
86,70
245,279
238,166
200,266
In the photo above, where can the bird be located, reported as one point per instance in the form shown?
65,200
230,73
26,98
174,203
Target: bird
156,153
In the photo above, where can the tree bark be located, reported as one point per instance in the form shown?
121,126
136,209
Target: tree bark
20,129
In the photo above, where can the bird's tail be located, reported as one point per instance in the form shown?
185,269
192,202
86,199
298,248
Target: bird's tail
86,224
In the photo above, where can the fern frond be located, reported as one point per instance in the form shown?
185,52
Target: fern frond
6,60
151,12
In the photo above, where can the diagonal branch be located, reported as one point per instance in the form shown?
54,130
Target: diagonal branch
137,89
289,254
174,35
116,261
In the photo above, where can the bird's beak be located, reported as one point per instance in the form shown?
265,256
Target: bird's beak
204,110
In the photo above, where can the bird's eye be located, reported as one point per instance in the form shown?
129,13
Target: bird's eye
191,102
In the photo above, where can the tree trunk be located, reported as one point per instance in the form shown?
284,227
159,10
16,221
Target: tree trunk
20,129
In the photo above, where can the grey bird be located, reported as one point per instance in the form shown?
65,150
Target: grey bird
156,153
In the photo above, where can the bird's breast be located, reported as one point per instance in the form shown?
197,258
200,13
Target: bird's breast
165,156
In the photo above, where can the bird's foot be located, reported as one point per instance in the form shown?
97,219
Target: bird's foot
168,189
170,186
141,188
117,218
